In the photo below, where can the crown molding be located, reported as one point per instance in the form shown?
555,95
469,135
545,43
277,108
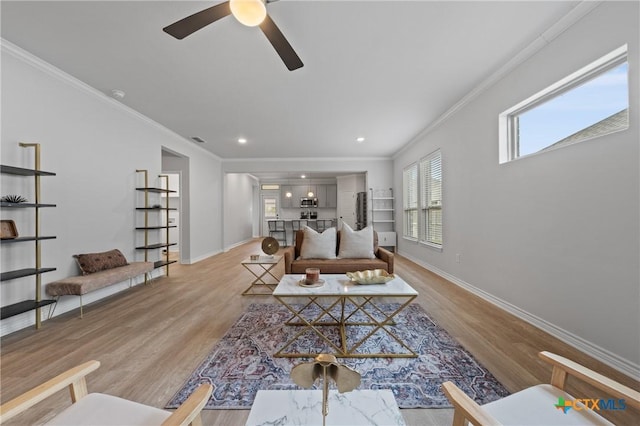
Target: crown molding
53,71
567,21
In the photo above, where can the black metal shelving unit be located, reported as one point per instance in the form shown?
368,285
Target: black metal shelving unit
147,209
36,303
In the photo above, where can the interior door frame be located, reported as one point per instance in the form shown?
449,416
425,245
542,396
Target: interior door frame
263,221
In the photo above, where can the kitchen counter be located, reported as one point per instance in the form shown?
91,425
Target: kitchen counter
288,226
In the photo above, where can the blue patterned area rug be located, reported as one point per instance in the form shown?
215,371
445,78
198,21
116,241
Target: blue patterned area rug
242,362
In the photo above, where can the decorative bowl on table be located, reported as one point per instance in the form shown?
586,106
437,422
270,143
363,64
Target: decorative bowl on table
373,276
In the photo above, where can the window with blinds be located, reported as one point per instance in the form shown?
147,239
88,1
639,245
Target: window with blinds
431,199
410,201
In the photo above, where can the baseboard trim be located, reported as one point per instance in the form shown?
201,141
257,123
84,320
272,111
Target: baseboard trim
203,257
70,303
623,365
238,244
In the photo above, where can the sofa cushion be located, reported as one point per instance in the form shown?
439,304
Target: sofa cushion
337,266
356,244
90,263
318,245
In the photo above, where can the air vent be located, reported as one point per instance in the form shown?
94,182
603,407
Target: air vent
197,139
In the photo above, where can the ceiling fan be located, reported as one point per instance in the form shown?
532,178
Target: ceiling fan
248,12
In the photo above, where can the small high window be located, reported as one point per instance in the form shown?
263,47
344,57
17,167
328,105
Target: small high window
270,186
589,103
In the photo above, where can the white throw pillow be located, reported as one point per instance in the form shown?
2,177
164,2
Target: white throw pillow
318,246
356,244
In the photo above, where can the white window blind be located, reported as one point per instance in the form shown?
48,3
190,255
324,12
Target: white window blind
410,201
431,199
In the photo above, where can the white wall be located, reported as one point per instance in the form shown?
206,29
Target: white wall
553,237
94,144
379,172
238,208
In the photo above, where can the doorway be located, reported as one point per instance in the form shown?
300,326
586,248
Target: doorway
270,205
177,167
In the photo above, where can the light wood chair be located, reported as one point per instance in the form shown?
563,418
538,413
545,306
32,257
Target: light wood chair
96,408
546,404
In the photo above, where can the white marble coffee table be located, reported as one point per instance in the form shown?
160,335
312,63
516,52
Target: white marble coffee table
304,407
340,301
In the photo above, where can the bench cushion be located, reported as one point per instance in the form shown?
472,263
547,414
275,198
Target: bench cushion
83,284
90,263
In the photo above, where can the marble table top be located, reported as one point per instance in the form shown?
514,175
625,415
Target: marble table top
304,407
341,285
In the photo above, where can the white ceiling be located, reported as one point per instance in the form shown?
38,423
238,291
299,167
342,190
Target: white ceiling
379,69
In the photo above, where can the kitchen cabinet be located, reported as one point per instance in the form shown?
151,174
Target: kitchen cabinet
332,196
287,202
327,196
321,195
299,191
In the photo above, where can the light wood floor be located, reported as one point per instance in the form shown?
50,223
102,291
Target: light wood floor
150,338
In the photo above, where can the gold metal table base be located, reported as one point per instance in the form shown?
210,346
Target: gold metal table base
326,318
265,281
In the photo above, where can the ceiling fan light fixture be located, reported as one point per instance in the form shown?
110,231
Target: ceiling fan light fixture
248,12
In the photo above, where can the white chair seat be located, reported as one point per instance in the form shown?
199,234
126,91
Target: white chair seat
98,409
535,406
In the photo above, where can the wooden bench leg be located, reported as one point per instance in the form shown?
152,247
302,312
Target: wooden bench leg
81,311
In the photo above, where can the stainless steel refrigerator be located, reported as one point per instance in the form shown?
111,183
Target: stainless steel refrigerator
361,210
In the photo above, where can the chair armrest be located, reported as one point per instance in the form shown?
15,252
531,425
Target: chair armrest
289,253
189,411
74,378
466,409
563,366
387,256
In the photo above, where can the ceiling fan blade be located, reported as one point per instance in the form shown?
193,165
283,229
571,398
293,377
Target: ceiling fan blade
282,46
193,23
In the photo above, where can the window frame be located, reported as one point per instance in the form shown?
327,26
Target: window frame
406,208
507,120
425,195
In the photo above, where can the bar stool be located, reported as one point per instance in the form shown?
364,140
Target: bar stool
278,231
323,224
296,226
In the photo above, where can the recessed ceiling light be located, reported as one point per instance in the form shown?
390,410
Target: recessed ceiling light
242,140
360,139
302,176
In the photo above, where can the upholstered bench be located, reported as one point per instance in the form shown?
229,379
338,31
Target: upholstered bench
99,270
